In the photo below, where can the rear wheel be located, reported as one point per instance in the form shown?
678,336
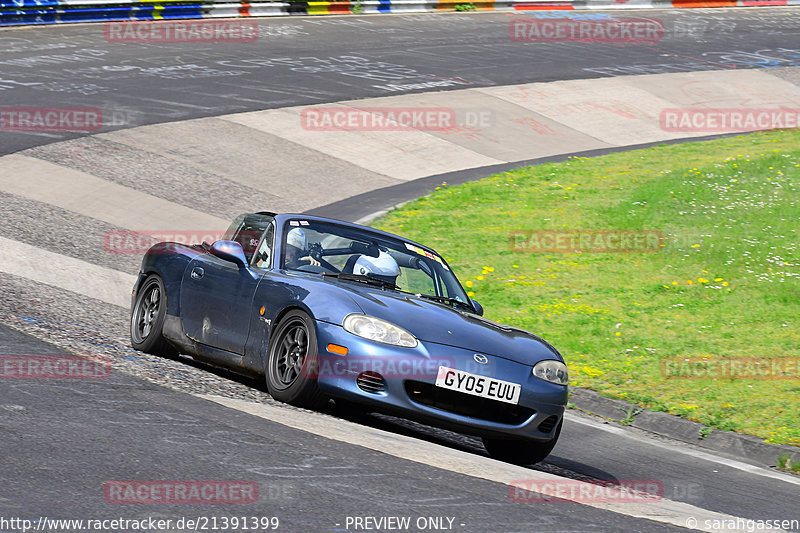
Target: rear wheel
521,451
292,363
147,318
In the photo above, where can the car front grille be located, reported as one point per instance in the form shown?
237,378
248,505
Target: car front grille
371,382
466,404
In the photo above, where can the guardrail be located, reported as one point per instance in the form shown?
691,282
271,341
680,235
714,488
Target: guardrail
23,12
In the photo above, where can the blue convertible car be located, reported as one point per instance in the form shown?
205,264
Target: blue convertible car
327,309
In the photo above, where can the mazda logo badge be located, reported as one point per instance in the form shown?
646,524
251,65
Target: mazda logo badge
480,359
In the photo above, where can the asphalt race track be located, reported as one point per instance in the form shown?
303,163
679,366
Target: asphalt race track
313,60
156,419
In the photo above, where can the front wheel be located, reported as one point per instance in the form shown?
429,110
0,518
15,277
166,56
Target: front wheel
147,318
521,451
292,364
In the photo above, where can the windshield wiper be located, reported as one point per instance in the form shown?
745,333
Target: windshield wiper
361,279
446,300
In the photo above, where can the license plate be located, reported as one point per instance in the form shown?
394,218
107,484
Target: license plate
494,389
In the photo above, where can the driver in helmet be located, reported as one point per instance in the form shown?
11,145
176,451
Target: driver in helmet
296,250
383,267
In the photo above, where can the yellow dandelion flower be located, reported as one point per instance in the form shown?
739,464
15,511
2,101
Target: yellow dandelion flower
702,280
695,246
468,284
724,283
674,282
479,278
514,266
690,282
717,279
617,333
470,294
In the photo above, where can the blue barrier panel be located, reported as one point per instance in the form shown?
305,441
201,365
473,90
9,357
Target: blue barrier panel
26,18
27,3
12,13
18,12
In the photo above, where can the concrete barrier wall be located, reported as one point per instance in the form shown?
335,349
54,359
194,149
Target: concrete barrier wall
23,12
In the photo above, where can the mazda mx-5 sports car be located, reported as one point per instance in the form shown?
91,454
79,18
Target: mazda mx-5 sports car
326,309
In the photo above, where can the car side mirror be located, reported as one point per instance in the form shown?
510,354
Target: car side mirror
478,307
229,251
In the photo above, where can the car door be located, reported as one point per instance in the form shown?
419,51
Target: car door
217,302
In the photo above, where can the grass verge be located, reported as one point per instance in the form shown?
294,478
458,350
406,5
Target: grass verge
723,284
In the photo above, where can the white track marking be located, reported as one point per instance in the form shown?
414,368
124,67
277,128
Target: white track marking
402,155
34,263
97,198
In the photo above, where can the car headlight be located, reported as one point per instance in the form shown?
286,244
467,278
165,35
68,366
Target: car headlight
378,330
552,371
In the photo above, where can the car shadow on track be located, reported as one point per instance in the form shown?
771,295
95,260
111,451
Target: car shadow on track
553,464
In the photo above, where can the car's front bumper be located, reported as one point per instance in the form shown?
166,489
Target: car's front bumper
407,386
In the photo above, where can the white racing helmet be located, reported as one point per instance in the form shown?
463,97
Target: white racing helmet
382,267
297,238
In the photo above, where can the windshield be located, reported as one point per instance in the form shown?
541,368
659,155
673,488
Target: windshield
324,247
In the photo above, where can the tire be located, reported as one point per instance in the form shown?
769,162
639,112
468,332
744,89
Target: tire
292,362
147,318
521,451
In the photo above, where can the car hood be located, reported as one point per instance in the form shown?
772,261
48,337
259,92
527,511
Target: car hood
432,322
